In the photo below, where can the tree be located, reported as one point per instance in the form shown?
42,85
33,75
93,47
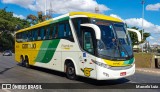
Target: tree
8,25
7,41
32,19
134,36
37,19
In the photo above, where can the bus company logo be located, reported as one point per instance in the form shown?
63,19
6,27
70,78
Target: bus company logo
87,71
66,47
29,46
6,86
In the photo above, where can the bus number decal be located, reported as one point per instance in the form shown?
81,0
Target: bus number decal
87,71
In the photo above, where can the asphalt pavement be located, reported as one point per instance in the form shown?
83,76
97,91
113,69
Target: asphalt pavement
11,72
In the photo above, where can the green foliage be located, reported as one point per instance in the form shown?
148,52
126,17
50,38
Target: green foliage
6,41
8,25
37,19
134,37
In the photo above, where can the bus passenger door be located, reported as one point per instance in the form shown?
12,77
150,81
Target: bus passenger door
88,54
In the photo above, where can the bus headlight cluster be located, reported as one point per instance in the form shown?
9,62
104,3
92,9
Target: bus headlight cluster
101,64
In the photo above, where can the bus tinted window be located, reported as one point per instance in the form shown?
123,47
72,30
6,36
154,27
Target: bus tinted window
52,31
64,31
76,24
24,36
47,32
61,30
39,34
35,35
68,31
42,33
30,35
18,37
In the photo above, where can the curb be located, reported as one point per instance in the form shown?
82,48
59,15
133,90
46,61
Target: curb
148,70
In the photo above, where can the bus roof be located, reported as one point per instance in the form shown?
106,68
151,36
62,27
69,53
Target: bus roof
95,15
87,14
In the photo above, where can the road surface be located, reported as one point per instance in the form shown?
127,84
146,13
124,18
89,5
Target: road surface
10,72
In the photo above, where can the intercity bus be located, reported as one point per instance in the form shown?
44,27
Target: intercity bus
80,44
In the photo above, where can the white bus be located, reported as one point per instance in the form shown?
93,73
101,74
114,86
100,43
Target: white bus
79,44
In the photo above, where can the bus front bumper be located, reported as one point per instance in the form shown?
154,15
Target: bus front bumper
108,74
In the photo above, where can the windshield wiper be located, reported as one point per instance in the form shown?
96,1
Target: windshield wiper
120,45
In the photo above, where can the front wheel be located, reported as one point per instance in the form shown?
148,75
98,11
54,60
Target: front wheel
70,71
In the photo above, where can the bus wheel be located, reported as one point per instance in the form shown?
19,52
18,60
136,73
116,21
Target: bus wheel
27,62
21,61
157,63
70,71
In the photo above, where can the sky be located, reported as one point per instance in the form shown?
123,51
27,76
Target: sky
130,11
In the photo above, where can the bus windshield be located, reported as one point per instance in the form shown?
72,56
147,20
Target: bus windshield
115,42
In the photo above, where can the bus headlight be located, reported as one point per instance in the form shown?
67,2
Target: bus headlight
101,64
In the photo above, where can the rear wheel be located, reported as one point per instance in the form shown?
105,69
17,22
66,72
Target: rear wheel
21,61
70,71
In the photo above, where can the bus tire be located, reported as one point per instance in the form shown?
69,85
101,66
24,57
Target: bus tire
27,62
70,71
157,63
21,61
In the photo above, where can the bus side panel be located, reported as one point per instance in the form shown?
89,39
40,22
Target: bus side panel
69,51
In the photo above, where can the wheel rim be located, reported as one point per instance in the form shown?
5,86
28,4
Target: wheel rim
21,61
71,71
26,63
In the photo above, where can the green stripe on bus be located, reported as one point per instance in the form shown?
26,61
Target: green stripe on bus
47,51
129,61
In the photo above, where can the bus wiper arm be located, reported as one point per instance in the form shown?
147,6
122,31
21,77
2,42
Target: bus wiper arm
120,45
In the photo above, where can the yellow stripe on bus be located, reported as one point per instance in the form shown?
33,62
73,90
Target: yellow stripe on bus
114,63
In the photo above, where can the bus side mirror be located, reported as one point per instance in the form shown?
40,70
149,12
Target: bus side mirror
137,32
95,28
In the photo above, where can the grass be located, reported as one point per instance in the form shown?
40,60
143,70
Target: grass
143,60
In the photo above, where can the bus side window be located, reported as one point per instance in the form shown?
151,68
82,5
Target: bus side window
42,33
39,34
56,32
61,30
19,37
44,36
30,35
47,32
35,34
68,31
52,31
24,37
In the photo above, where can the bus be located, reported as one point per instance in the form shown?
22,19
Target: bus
79,44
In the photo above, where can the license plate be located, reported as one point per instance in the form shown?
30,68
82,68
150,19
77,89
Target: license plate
122,73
